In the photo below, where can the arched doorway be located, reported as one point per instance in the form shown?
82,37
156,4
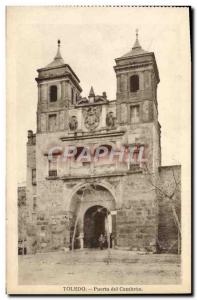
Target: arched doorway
89,207
94,225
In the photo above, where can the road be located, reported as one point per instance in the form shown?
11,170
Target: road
92,267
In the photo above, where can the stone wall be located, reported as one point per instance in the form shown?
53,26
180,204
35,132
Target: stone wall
136,223
31,192
168,233
22,211
31,165
135,227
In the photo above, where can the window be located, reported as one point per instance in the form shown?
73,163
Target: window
135,114
72,96
34,176
134,83
52,173
83,154
102,154
53,167
135,157
52,122
122,83
34,203
53,93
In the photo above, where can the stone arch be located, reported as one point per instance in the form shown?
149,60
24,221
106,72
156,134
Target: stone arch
80,185
82,199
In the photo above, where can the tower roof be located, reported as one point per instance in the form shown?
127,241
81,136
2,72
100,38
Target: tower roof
136,57
61,69
58,60
136,49
91,93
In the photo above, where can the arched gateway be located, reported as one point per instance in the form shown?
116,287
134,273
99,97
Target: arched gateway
91,208
96,222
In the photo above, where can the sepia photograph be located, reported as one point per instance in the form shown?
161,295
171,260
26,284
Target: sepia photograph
98,150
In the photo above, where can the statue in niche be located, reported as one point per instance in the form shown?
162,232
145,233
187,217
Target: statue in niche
110,120
73,123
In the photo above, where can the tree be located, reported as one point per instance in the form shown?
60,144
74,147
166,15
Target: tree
168,192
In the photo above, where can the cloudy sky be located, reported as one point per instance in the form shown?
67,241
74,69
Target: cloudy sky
91,38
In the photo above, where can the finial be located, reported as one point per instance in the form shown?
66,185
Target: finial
58,55
137,44
91,94
58,60
137,31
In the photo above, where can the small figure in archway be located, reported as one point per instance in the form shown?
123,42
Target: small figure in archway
101,241
112,240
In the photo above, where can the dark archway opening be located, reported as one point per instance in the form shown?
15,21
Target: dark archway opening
94,225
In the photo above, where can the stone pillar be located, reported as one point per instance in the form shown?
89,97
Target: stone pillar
81,241
81,234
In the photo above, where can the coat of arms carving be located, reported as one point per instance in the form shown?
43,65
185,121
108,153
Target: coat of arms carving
91,116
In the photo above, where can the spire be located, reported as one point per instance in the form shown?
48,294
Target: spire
136,49
58,55
137,44
91,93
58,60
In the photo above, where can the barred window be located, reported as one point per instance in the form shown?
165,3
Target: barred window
53,166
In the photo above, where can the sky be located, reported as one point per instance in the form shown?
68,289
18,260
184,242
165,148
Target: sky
91,38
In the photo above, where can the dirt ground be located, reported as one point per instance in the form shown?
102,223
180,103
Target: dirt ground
91,267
